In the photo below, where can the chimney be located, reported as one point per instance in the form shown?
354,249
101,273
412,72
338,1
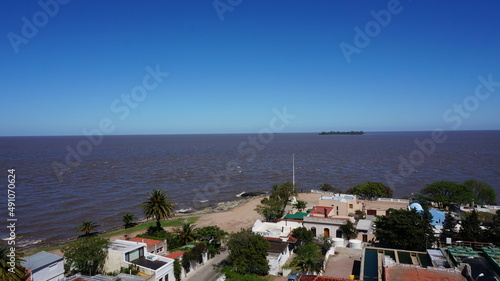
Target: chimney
326,215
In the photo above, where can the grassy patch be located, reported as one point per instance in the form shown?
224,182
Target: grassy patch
145,226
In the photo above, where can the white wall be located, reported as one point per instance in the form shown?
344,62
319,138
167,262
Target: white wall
52,273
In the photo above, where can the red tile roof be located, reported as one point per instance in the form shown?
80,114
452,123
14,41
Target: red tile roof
419,274
175,255
149,242
322,278
319,211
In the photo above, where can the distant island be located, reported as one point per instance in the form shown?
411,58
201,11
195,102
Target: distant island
343,133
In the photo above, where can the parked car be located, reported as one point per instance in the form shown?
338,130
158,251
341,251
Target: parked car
294,276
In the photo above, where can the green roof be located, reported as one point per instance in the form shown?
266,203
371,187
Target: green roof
296,216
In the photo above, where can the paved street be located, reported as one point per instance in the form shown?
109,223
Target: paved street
206,272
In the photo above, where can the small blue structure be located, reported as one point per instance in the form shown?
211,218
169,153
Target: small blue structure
437,216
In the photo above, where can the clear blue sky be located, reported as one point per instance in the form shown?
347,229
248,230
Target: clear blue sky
226,76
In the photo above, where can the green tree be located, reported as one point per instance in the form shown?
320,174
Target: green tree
449,226
129,220
87,227
177,269
270,209
324,243
303,236
349,230
86,255
273,207
11,270
493,231
403,229
186,233
212,236
370,190
300,205
248,252
309,259
329,188
471,227
445,193
158,206
483,193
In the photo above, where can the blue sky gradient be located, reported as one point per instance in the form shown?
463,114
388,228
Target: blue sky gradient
227,76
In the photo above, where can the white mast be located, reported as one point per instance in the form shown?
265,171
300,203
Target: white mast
293,171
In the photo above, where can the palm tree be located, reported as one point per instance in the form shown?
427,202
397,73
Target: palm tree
16,273
186,232
158,206
309,259
349,230
86,227
300,205
128,219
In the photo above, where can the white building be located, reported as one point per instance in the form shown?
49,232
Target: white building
44,266
123,253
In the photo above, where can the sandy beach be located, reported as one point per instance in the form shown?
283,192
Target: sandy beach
232,220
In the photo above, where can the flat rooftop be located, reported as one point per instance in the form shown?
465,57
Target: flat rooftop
124,246
394,273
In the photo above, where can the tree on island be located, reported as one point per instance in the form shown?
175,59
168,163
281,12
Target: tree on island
87,227
273,207
444,193
405,229
86,255
248,252
158,206
370,190
129,220
329,188
483,193
11,270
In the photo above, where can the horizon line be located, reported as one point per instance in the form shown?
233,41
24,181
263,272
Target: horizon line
241,133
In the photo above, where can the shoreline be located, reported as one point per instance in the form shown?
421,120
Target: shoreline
214,208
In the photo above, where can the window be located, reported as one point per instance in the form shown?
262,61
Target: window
365,238
159,250
313,229
351,206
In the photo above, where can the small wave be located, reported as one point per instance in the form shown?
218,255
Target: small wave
23,243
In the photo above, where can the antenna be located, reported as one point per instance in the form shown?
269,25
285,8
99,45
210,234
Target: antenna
293,171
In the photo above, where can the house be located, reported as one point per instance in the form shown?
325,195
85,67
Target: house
44,266
323,221
343,204
365,230
281,241
122,253
278,254
154,246
381,206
